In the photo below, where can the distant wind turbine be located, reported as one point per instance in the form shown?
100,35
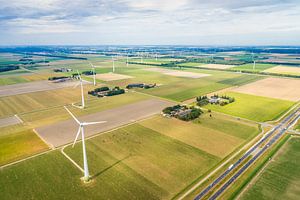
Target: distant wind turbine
81,130
81,86
253,62
94,73
127,60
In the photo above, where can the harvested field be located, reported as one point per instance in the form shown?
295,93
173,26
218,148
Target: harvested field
217,66
9,121
281,88
280,69
177,73
35,86
63,132
112,77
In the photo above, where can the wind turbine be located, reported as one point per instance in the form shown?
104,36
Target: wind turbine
81,130
127,60
113,61
81,86
253,62
94,73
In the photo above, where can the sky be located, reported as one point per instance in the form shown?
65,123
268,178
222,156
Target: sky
149,22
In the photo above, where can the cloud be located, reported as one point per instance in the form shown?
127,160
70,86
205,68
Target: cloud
150,20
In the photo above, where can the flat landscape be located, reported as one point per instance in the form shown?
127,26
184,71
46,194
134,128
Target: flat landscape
144,150
280,179
140,160
63,132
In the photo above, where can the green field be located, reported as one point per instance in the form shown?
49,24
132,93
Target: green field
152,60
192,64
258,67
252,107
178,88
17,142
281,178
134,162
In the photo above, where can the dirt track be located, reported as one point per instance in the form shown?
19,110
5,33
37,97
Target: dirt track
36,86
64,132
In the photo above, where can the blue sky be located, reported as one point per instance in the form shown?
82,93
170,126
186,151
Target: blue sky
190,22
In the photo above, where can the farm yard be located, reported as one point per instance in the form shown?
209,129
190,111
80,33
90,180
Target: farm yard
280,179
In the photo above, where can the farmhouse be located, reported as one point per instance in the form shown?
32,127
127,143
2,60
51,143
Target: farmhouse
63,69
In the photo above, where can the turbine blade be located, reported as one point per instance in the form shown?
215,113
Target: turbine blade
72,115
91,123
78,132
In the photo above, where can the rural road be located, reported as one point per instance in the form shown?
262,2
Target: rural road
282,128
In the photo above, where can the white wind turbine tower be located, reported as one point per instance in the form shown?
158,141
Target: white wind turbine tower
81,130
94,73
253,62
81,87
127,60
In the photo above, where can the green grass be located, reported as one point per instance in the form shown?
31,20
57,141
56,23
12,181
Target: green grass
252,107
12,80
178,88
131,163
258,67
18,142
281,178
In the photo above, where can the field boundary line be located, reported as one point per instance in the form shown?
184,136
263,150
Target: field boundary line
220,166
24,159
48,144
20,120
70,159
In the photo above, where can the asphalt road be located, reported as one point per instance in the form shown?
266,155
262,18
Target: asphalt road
246,155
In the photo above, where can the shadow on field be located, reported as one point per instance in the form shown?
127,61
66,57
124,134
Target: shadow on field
111,166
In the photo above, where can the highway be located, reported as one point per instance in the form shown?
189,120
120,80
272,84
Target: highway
279,128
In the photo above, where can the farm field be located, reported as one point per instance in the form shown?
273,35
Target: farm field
35,110
280,179
222,140
62,133
249,67
18,142
281,88
132,162
192,64
152,60
281,69
252,107
179,88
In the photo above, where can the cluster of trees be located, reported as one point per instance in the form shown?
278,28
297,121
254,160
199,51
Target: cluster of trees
193,114
115,91
105,91
57,78
202,100
140,85
88,73
8,68
183,112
